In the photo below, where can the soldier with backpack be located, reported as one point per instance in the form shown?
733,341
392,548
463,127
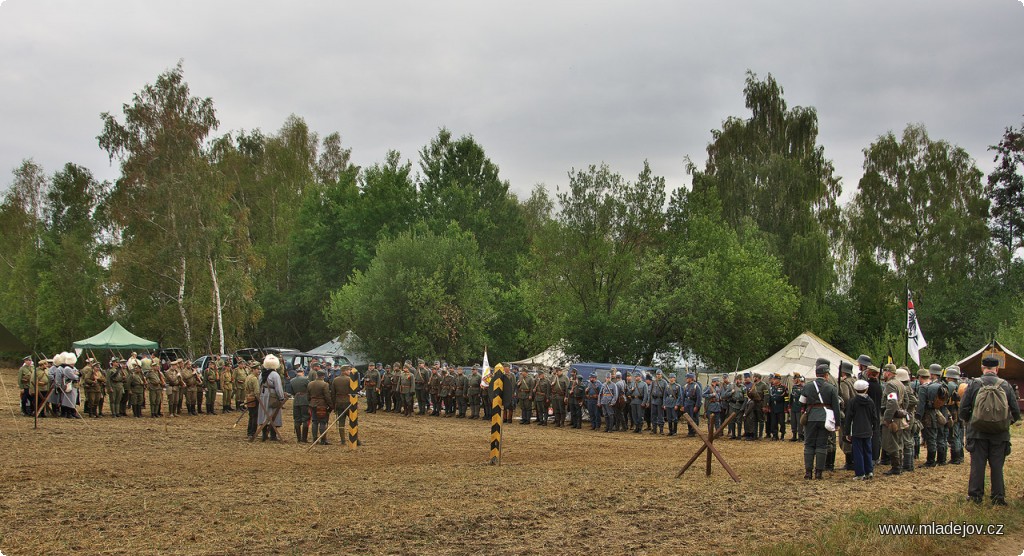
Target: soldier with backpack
988,408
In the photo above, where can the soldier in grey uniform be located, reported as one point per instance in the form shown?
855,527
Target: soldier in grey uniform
796,408
673,403
932,419
577,397
955,437
816,397
656,401
693,397
713,396
910,408
736,396
422,376
989,444
592,391
300,403
637,395
915,427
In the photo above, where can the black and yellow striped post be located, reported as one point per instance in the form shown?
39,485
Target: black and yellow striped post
497,407
353,413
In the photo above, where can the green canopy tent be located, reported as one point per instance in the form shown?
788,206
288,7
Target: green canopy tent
10,342
115,337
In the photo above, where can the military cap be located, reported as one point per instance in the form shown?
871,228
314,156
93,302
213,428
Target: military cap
952,371
935,369
902,375
658,372
437,362
821,370
28,358
923,373
714,379
822,361
691,375
889,368
990,361
380,364
476,367
872,369
593,376
860,385
845,367
746,375
671,375
864,360
648,377
798,377
638,374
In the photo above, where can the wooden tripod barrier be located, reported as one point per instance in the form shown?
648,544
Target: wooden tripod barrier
709,445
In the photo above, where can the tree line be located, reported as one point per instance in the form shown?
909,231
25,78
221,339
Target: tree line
213,242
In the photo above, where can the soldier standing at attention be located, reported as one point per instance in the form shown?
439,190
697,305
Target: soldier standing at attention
524,389
656,400
894,395
816,397
434,389
989,406
211,375
637,395
955,434
155,383
240,374
673,403
870,373
931,419
577,395
795,409
777,408
909,407
136,389
736,397
300,403
593,393
422,375
474,393
760,404
227,387
172,378
385,388
251,388
397,403
447,392
609,393
191,380
691,402
319,405
407,389
461,392
370,385
116,380
541,397
559,390
93,381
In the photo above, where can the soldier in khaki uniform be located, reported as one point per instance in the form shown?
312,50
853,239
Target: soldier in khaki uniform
155,384
846,394
461,392
371,385
240,374
434,389
473,393
190,384
251,388
541,397
24,382
559,391
341,390
227,387
94,382
174,382
448,393
136,388
212,375
319,405
407,390
894,401
524,389
117,378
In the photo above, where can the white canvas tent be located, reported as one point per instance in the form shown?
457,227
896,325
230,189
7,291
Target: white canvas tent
347,347
799,356
550,357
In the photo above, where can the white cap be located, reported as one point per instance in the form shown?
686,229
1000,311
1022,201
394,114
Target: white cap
860,385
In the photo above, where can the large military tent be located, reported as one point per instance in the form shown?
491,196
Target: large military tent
115,337
799,356
1011,367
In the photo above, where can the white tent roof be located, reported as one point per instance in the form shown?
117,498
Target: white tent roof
346,347
550,357
799,356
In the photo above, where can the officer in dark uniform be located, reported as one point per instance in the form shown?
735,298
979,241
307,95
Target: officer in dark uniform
988,448
816,397
577,396
777,408
796,408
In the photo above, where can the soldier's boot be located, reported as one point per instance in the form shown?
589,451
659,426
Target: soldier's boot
298,432
807,474
941,458
958,457
661,429
818,474
830,461
917,451
908,462
305,432
896,466
930,461
101,408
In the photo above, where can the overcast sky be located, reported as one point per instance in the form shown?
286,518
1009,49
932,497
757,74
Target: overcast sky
543,86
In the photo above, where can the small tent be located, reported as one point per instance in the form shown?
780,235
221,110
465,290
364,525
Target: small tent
10,342
799,356
550,357
347,347
115,337
1011,365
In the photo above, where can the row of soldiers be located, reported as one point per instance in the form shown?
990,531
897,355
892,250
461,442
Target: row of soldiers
125,384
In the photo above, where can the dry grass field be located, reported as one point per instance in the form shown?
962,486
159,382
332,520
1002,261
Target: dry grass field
419,485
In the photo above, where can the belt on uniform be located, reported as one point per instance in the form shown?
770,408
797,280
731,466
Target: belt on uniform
818,405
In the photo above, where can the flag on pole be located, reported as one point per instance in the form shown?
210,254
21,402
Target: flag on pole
915,338
485,378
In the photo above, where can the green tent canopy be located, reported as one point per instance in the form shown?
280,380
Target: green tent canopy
115,337
10,342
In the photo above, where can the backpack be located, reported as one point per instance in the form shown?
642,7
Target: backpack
991,412
941,395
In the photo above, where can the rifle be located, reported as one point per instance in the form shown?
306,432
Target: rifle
340,416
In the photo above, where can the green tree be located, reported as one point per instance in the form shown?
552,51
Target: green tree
423,295
769,171
1006,192
22,229
920,218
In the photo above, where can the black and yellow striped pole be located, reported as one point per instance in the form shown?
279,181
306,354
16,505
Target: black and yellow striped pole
353,412
497,407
